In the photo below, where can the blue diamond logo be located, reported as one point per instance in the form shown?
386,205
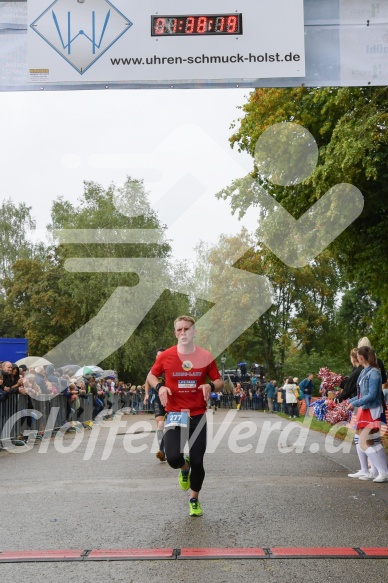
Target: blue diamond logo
81,32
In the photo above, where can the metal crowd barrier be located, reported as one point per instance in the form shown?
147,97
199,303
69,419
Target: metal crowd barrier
85,411
135,402
20,414
255,403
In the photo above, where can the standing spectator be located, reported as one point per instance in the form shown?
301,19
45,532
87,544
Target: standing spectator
368,416
3,393
299,394
261,397
279,399
243,368
237,395
15,376
244,399
41,380
97,395
349,384
51,376
285,407
256,398
213,401
275,400
380,365
22,370
291,398
11,386
307,387
270,391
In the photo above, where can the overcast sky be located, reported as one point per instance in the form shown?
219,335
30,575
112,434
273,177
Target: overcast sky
52,141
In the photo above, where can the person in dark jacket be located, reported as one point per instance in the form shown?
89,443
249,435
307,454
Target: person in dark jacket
52,377
306,387
3,393
10,385
349,388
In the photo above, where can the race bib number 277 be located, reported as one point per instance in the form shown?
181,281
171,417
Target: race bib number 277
177,419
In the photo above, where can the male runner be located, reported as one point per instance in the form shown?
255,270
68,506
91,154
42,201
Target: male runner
159,411
186,368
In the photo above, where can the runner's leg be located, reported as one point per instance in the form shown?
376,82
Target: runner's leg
197,448
172,448
159,418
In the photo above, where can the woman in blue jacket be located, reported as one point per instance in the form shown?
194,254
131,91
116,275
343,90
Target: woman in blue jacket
368,401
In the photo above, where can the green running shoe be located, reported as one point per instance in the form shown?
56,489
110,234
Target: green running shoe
195,507
184,477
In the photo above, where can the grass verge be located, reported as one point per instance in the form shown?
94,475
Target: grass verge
343,432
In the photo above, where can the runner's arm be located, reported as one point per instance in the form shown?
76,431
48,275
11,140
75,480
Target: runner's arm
147,387
163,390
206,388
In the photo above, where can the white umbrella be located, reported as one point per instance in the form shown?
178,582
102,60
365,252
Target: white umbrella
32,361
94,368
87,370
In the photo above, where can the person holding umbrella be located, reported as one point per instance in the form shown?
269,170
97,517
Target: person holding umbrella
243,368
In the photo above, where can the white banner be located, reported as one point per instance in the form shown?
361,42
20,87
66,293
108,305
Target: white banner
363,11
164,40
365,55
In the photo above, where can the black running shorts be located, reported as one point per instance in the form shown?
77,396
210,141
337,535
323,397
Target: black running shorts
159,410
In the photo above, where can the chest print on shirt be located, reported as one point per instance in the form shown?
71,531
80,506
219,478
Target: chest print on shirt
187,365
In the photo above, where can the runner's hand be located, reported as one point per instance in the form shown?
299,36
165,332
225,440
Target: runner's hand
206,391
163,395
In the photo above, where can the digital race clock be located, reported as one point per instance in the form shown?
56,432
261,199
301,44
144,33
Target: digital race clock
196,25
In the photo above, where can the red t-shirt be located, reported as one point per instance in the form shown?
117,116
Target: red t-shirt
184,373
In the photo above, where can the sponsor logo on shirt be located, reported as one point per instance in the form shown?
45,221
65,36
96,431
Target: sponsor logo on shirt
187,385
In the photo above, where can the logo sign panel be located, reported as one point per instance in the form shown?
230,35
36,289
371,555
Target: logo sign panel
80,33
164,40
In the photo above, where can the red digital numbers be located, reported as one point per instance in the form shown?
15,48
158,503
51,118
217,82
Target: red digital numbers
220,24
202,24
232,24
190,22
159,26
214,24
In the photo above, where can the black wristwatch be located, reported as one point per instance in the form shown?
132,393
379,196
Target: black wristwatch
158,387
212,387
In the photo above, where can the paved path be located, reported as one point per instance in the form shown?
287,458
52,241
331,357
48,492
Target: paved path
266,486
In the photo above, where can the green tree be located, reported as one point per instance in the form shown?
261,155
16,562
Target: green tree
16,227
111,213
49,303
350,128
38,305
355,314
303,300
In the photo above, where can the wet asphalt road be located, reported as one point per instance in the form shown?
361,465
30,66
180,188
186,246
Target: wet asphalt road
267,485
